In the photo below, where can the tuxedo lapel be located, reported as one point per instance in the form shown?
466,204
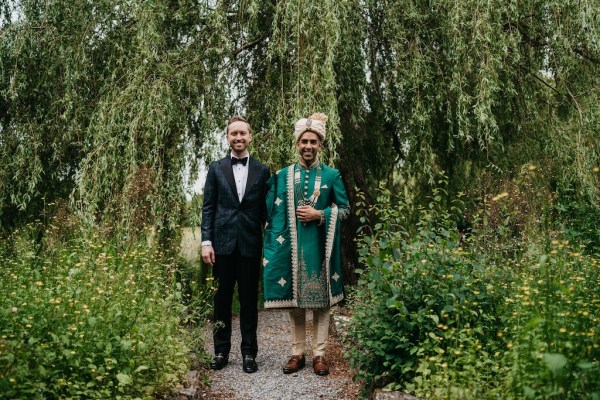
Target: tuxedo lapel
225,165
253,170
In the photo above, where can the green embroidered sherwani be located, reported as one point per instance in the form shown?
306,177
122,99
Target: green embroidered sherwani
302,261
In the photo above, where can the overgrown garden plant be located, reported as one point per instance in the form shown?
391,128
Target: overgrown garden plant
81,319
434,316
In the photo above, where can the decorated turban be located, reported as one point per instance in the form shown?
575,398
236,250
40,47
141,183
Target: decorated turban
315,123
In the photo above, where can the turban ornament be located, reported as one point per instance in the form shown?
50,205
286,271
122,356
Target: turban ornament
315,123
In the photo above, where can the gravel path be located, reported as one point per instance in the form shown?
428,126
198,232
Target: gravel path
269,382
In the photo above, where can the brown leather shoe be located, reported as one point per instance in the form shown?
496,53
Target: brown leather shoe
294,364
320,366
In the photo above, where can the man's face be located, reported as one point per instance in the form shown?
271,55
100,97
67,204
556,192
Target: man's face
308,146
238,136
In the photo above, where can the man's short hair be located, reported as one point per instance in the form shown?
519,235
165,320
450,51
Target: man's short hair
237,118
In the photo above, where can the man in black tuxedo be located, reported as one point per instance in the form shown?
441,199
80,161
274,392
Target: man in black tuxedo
233,217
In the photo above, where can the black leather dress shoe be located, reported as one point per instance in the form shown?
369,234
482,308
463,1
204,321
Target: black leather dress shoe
219,361
249,364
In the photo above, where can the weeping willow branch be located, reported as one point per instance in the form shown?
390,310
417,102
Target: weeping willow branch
250,44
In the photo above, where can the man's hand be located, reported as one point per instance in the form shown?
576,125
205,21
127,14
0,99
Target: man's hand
208,255
307,214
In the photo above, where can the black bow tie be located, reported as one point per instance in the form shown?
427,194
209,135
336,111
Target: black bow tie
239,160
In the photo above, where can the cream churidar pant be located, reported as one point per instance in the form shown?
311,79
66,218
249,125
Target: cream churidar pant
320,331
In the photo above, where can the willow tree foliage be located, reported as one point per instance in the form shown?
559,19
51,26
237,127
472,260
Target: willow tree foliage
415,89
106,101
475,83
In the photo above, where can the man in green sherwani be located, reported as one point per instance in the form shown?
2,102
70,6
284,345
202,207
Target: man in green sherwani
302,265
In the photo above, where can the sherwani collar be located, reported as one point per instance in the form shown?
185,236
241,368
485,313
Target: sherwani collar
315,164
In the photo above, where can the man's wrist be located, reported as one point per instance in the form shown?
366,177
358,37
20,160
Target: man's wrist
206,243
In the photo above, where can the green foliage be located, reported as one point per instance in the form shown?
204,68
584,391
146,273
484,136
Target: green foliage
516,216
580,221
195,290
421,305
294,61
84,319
455,78
192,211
436,316
96,97
552,322
510,218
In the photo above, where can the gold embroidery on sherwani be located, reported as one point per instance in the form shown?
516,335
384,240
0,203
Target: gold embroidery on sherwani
312,289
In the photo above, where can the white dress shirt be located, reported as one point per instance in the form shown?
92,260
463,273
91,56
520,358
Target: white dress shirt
240,175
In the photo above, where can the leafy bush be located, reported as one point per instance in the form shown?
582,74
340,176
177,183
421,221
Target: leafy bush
433,317
84,319
422,305
195,290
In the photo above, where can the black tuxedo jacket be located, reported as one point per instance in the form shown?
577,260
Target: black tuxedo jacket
226,221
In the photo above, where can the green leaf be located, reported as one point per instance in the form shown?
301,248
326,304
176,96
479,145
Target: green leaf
141,368
376,262
534,322
124,379
555,362
585,365
529,392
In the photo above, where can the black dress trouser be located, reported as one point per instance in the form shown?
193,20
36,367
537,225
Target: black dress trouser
227,271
